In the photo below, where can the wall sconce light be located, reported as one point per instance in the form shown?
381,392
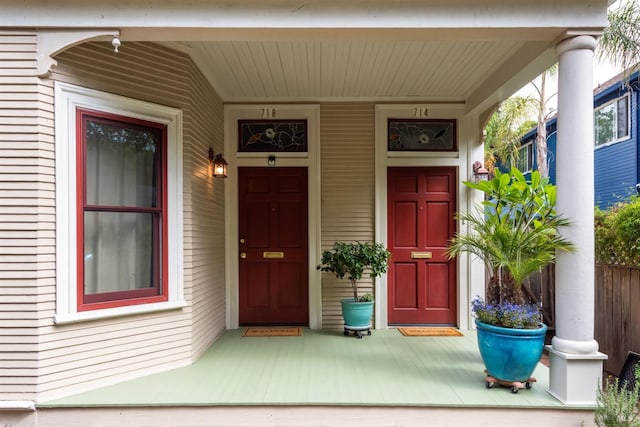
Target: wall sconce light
271,160
218,163
479,172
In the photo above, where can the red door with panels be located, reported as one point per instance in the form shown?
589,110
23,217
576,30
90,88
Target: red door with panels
273,247
421,203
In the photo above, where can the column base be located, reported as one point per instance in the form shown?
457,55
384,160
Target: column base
575,378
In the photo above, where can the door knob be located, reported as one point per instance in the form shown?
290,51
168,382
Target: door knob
243,255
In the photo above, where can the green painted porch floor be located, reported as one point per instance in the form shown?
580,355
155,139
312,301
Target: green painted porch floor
323,367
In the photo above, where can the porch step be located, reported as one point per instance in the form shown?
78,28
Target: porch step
289,416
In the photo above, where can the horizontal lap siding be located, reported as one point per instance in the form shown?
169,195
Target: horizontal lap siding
204,214
615,172
348,191
26,212
90,354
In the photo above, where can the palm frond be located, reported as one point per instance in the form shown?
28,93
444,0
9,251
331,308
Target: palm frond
620,41
515,230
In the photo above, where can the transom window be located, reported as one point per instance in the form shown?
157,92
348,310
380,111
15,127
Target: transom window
122,227
612,121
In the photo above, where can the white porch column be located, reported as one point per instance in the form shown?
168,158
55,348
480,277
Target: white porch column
576,364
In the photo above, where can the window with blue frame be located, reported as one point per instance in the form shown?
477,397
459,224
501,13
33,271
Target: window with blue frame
611,121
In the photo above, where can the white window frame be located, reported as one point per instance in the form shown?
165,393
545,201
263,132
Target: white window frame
525,148
628,112
67,99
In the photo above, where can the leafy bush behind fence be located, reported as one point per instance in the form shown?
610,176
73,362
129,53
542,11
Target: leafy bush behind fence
617,234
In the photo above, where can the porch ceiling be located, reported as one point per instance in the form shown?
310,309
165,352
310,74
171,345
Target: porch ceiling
388,69
309,50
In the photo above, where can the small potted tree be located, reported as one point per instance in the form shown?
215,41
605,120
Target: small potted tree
351,260
515,233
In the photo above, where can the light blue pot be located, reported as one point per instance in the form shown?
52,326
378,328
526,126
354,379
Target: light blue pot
510,354
357,314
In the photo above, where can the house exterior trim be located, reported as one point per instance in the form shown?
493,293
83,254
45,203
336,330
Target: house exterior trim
50,43
311,160
385,159
67,99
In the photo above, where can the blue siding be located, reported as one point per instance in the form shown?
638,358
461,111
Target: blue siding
617,166
615,172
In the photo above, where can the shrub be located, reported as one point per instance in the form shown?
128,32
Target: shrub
617,405
617,234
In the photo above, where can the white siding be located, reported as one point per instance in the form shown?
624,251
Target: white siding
347,133
81,356
26,213
204,214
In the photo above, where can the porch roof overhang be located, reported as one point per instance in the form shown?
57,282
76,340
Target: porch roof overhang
455,51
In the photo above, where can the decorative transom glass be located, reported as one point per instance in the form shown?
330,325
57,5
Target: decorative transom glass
422,135
280,136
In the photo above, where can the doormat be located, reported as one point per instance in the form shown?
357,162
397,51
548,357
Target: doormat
272,332
430,332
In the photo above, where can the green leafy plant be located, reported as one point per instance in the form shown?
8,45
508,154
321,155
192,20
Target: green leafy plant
351,260
514,232
617,404
617,234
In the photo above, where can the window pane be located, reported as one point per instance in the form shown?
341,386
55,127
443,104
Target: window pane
524,158
604,122
119,251
623,124
120,164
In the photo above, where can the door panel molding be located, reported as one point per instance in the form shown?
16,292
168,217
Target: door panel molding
431,193
273,270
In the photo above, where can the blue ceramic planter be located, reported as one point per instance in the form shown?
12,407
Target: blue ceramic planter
510,354
357,314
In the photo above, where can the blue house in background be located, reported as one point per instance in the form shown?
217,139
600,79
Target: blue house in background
616,145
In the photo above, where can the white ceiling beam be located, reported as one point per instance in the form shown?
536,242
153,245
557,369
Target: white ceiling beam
201,14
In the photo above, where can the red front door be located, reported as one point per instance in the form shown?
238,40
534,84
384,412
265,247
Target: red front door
273,246
421,280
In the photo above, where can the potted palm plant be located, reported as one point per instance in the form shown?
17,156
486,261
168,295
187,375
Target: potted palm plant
515,233
351,260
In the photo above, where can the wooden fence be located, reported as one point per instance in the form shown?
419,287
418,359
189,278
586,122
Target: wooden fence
617,327
617,309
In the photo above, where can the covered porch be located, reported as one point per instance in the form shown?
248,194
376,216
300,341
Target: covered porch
321,378
202,67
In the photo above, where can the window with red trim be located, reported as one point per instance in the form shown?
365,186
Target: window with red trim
121,210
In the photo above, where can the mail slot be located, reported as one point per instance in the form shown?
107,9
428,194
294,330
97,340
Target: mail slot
272,254
421,255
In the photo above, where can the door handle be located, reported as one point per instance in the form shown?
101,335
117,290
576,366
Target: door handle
243,255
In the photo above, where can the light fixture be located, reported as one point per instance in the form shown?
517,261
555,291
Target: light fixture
116,43
479,172
271,160
218,164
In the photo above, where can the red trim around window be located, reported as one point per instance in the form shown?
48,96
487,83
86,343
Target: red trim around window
160,291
